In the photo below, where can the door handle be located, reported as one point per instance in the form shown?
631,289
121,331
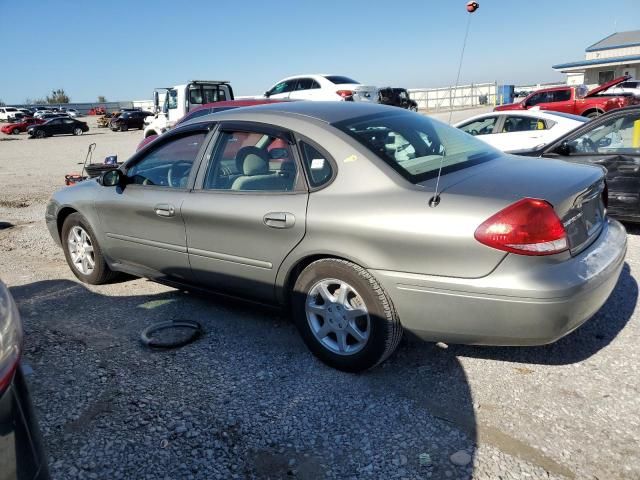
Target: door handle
164,210
279,220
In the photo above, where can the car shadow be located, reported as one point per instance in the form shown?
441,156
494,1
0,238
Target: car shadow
587,340
253,393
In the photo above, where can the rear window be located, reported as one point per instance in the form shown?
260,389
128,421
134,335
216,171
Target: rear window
415,146
338,80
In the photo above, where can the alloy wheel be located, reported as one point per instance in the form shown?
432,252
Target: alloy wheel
338,316
81,250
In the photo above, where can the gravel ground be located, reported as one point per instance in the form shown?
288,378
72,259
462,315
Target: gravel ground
249,401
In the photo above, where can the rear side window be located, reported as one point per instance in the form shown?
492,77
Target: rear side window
307,84
339,80
559,96
317,164
522,124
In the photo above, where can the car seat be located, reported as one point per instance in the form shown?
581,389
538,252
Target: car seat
256,174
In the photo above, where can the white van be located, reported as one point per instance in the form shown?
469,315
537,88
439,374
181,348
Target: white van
9,114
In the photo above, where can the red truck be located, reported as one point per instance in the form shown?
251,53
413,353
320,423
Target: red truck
570,100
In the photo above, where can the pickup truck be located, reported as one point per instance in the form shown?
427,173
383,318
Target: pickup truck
574,100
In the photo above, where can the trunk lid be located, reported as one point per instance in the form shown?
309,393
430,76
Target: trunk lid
606,86
575,191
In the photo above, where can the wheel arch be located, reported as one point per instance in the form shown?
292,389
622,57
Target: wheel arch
589,111
285,289
63,213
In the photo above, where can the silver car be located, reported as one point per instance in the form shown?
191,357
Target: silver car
364,220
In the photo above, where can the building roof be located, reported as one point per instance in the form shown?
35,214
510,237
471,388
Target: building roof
597,61
617,40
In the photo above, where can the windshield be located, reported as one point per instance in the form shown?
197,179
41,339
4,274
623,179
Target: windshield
415,145
339,80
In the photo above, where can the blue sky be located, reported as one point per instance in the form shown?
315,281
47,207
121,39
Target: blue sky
122,49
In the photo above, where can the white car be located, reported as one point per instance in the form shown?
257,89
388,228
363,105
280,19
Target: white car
515,130
9,114
322,88
630,86
72,112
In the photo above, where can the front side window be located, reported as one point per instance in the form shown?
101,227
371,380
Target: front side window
522,124
172,99
168,165
616,136
482,126
283,87
251,161
415,146
68,121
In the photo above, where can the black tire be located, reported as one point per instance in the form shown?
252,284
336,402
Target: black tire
385,328
77,131
40,134
592,115
123,127
16,131
101,272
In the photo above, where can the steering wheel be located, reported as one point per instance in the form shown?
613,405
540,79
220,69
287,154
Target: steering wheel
473,132
176,173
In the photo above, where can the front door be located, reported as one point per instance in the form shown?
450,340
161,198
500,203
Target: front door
142,222
247,212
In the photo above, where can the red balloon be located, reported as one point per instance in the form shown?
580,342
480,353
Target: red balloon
472,6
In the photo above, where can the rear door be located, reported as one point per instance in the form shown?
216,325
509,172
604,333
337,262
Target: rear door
305,89
614,143
247,212
68,125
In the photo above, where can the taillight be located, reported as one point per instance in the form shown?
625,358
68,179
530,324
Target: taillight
528,227
345,94
10,337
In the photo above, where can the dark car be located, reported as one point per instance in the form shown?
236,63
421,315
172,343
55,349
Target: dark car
129,119
397,97
21,454
612,141
58,126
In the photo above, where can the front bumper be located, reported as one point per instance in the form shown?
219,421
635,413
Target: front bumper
524,301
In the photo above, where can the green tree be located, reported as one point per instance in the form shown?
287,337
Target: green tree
102,99
58,96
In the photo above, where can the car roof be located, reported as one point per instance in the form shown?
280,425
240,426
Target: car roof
328,112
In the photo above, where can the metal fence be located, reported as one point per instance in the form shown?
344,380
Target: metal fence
455,98
84,108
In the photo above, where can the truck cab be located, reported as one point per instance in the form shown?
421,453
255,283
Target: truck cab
181,99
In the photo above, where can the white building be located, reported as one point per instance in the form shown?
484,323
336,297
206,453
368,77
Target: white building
612,57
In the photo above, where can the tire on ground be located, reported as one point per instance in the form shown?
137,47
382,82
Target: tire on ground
385,328
101,272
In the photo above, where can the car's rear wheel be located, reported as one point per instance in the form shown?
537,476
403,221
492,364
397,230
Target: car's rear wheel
77,131
83,253
15,131
413,108
594,114
344,315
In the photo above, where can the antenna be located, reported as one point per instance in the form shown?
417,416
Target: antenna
435,200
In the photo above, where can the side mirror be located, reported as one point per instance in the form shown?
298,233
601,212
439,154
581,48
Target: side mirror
112,178
564,149
267,94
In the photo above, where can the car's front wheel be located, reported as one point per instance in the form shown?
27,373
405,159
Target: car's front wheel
15,131
344,315
83,253
124,127
40,134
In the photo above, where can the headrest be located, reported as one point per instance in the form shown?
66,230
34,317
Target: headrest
245,151
255,165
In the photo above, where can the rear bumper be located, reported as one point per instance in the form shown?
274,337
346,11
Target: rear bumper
21,452
524,301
